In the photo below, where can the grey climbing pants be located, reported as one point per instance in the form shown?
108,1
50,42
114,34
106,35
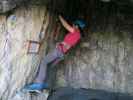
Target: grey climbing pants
50,57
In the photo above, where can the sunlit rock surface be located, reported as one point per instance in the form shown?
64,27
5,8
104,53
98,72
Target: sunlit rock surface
16,66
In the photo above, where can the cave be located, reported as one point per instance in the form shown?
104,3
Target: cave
98,68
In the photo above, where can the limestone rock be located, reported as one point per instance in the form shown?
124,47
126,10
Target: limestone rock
68,93
16,66
105,62
7,5
108,66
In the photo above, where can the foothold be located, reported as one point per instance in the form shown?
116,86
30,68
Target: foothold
13,20
13,17
33,47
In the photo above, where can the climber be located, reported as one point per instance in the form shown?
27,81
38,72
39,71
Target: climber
71,39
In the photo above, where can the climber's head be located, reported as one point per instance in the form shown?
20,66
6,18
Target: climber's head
79,23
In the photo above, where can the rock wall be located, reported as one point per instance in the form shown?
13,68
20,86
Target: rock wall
8,5
16,66
104,62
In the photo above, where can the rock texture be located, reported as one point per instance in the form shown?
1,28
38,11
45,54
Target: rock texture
8,5
68,93
16,66
104,62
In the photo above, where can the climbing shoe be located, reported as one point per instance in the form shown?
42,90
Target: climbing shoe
35,87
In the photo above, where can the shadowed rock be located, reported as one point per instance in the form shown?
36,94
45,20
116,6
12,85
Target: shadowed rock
86,94
7,5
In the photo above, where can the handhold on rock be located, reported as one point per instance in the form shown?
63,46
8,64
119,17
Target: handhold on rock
33,47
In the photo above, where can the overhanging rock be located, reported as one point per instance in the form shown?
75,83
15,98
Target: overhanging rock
7,5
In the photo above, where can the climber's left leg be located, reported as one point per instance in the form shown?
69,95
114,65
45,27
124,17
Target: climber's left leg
49,58
39,84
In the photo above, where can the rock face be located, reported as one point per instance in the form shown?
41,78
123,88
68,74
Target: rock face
16,66
7,5
104,62
68,93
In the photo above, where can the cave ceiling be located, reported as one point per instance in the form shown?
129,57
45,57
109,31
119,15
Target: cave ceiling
7,5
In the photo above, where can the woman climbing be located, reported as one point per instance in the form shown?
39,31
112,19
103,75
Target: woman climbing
71,39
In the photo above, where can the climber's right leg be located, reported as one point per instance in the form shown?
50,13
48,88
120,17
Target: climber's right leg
42,72
39,82
35,87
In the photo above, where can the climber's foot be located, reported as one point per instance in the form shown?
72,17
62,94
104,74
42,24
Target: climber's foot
35,87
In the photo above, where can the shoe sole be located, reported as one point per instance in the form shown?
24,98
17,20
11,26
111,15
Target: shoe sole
34,91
